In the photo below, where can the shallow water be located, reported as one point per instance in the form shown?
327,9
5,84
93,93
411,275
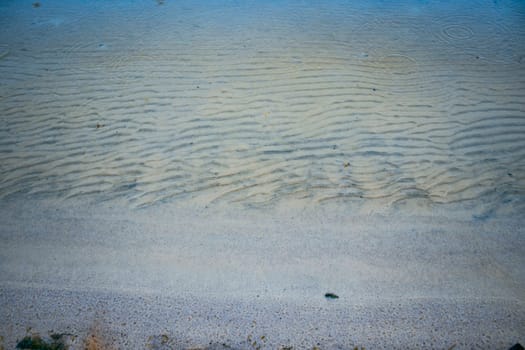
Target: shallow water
259,102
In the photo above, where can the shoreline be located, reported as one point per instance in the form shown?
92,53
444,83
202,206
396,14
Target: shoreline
200,175
221,272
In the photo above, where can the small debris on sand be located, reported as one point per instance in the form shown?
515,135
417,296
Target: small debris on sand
331,296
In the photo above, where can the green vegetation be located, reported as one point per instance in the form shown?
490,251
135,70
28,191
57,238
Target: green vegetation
35,342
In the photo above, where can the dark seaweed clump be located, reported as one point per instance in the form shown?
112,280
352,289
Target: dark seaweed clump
35,342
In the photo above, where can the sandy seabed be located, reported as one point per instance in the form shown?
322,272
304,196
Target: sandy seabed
181,174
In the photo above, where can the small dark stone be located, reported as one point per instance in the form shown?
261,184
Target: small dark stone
331,296
517,346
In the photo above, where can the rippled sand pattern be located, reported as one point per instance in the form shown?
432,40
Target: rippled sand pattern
257,102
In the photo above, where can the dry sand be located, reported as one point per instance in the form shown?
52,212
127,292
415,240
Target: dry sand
187,174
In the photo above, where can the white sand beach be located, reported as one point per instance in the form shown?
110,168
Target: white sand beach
208,278
182,174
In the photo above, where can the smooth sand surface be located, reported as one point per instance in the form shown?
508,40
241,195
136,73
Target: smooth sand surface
207,276
182,174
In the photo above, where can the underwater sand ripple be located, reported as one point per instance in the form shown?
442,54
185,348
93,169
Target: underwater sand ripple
318,115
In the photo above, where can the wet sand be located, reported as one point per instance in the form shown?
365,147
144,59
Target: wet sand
221,277
200,174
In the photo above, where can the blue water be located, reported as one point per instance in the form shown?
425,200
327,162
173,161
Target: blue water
254,103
